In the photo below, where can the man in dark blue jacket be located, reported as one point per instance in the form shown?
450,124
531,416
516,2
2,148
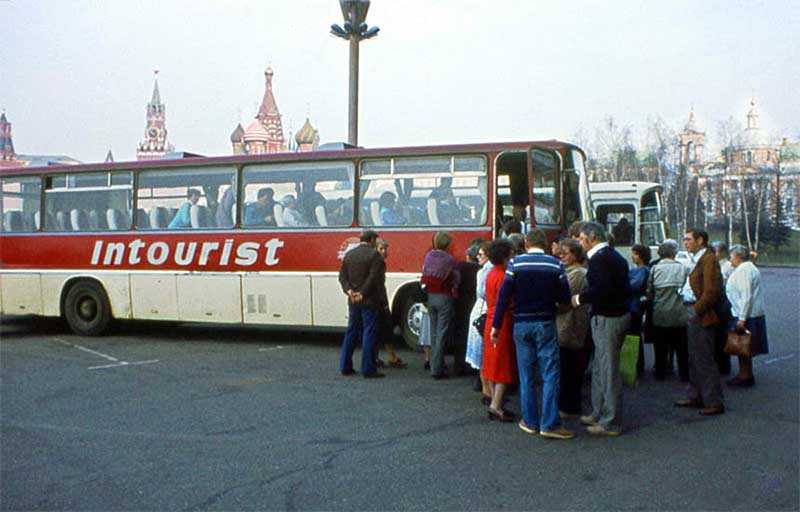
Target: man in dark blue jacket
608,293
537,283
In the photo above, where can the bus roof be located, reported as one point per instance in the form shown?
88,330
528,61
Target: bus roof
291,157
622,187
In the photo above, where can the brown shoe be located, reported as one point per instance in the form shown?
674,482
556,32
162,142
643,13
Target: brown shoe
689,402
713,411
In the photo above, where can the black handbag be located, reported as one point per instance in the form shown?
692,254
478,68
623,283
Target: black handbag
480,323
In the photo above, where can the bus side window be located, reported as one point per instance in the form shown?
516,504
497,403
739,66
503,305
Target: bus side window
97,201
423,191
19,204
318,194
186,198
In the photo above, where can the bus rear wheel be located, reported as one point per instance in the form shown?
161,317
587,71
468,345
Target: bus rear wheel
411,321
86,309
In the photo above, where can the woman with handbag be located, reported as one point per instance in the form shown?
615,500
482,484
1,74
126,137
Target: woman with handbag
746,296
499,366
572,324
477,321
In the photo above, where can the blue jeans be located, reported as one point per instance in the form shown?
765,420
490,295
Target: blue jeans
537,342
362,323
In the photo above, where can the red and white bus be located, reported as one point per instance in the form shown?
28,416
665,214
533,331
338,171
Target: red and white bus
97,242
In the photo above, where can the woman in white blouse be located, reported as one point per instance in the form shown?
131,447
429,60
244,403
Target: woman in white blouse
474,356
746,296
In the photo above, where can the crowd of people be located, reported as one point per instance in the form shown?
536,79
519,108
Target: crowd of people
519,311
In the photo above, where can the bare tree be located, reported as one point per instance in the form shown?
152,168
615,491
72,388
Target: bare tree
729,132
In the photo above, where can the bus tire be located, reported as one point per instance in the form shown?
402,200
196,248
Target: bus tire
411,321
86,308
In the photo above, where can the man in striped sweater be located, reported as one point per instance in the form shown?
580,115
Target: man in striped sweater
536,283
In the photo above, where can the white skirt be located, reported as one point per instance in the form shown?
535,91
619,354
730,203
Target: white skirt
425,329
474,354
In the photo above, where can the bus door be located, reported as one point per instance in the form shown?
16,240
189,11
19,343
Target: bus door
512,200
651,219
545,188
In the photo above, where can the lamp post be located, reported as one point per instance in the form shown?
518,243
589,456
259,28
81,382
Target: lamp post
354,29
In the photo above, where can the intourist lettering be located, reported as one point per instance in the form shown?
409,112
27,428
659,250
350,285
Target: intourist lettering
185,253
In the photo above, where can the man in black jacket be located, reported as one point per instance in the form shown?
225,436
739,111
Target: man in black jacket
608,292
363,277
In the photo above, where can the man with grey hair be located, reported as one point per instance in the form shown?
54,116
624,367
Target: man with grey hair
608,292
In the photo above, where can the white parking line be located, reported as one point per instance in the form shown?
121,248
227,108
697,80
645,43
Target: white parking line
778,359
277,347
117,362
122,363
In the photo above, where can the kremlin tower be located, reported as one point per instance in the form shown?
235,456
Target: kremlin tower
155,145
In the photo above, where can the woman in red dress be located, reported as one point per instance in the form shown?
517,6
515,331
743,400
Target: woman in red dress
499,366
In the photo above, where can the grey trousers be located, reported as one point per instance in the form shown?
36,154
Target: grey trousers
441,309
608,333
704,381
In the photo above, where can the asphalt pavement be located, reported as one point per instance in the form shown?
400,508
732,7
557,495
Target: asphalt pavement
198,417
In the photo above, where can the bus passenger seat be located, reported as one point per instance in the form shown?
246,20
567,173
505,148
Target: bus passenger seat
12,221
142,219
97,222
375,213
79,220
278,211
322,219
62,221
158,217
199,216
49,221
433,215
117,220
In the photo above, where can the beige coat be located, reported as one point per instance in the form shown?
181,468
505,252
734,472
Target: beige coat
573,323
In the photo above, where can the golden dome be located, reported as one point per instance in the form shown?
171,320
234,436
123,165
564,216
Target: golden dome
307,134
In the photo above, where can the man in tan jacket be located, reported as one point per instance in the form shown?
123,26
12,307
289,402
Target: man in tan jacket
700,293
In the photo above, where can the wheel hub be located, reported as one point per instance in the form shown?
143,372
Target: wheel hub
87,309
414,318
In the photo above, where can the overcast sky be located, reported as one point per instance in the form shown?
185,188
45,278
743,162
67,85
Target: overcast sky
75,76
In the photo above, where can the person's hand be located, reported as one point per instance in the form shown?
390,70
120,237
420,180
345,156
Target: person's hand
740,325
358,298
493,336
575,302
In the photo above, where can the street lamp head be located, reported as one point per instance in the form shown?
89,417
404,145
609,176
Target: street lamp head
338,31
354,11
370,33
348,27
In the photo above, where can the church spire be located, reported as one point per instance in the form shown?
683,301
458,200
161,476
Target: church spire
268,105
270,117
156,99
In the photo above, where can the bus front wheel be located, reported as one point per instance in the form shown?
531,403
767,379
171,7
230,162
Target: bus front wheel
86,309
411,321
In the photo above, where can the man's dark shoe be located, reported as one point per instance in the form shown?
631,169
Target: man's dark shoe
712,411
376,375
427,365
348,372
440,376
742,383
697,404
